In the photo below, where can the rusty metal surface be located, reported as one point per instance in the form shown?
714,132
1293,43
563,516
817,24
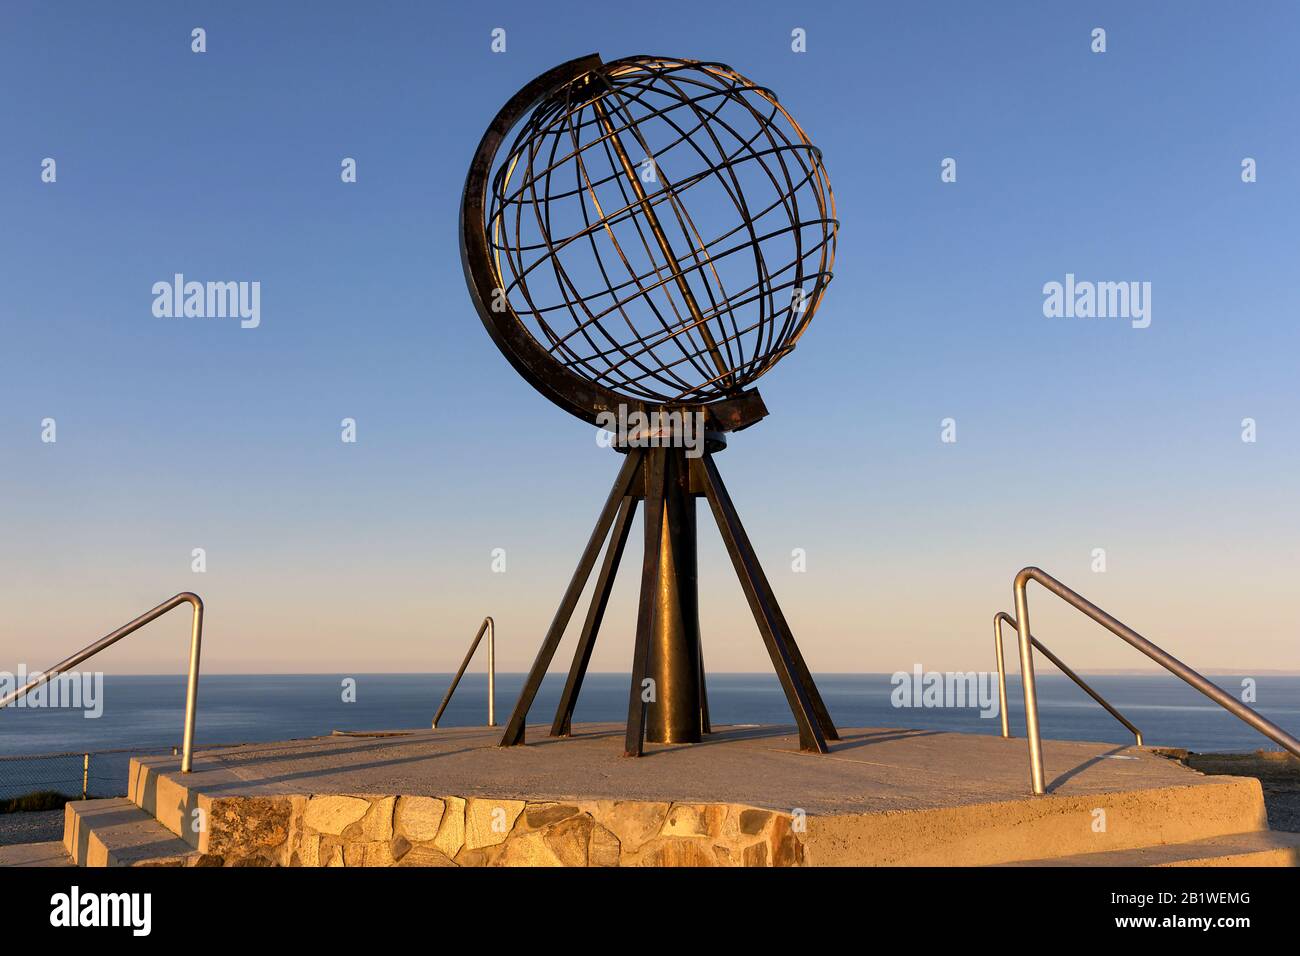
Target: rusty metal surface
647,322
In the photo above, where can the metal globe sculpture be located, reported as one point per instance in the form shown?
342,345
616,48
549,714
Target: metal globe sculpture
663,228
653,235
660,230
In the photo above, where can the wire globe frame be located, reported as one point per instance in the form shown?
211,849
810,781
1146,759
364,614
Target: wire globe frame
660,230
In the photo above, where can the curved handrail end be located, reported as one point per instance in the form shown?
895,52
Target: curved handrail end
1028,574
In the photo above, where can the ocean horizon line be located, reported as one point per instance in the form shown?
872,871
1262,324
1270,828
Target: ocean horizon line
1014,672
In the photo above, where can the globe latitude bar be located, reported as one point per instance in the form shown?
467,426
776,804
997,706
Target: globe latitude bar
655,331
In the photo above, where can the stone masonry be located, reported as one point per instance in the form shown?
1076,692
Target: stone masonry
355,830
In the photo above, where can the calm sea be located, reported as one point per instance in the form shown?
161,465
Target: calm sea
147,712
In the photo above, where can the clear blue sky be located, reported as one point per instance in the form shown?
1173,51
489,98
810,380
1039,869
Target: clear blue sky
1072,434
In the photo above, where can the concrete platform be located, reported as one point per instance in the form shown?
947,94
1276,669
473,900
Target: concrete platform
871,769
45,853
746,796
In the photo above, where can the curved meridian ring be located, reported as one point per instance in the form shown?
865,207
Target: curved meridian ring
658,233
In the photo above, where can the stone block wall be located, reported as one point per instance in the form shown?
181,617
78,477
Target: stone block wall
406,831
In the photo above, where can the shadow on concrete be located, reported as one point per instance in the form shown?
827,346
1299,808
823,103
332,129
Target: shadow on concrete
1065,778
726,735
310,748
878,737
212,790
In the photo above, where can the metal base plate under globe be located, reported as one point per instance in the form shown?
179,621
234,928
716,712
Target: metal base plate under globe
667,700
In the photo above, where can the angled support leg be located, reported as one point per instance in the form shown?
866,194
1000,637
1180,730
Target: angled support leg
655,464
745,562
514,733
563,724
705,726
778,618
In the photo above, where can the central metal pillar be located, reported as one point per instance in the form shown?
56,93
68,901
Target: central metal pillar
674,716
667,700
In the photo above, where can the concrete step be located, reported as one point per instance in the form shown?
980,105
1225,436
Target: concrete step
168,799
48,853
115,832
991,834
1257,848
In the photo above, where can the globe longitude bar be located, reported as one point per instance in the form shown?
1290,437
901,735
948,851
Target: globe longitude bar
679,277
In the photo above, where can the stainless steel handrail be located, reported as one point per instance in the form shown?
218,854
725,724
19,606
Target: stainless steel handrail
490,627
998,620
1233,706
191,687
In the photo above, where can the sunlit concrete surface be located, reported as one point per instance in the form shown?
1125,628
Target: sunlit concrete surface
869,769
745,797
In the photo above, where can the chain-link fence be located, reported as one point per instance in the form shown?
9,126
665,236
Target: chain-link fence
75,775
64,773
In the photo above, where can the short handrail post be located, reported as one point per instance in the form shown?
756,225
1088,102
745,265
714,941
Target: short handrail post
1002,673
1036,778
191,686
1003,617
487,627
